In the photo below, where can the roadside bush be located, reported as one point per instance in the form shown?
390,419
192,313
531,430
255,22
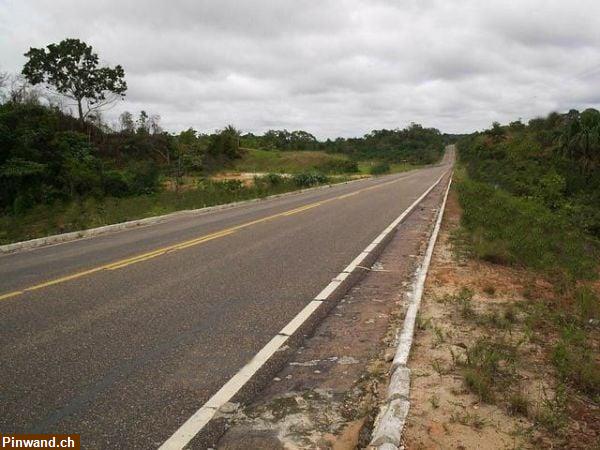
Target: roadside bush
228,185
114,183
274,179
380,169
142,177
309,179
269,181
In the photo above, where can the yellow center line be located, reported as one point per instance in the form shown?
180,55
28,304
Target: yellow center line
302,208
185,244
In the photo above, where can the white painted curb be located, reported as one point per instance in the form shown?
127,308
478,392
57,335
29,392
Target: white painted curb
387,431
66,237
196,423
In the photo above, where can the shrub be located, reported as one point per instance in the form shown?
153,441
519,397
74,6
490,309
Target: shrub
114,183
142,177
309,179
229,185
518,404
274,179
380,169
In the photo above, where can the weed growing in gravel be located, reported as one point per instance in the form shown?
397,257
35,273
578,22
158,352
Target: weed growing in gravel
435,401
465,302
489,366
467,419
574,361
423,323
438,366
440,338
510,315
551,412
518,404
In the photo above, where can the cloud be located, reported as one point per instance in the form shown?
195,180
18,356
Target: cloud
333,68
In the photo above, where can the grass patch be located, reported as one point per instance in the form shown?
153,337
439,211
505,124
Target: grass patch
518,404
575,363
468,419
552,412
489,290
464,301
434,400
44,220
489,366
510,230
439,335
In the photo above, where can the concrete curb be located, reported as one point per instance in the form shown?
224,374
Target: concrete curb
389,424
74,235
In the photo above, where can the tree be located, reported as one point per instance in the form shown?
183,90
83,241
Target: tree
126,122
225,144
154,124
16,89
580,140
71,68
142,122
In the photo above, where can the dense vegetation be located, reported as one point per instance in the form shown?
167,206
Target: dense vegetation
531,198
414,144
539,186
48,157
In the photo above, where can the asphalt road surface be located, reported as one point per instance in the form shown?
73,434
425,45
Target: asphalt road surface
122,337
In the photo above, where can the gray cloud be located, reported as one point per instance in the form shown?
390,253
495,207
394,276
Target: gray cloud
333,68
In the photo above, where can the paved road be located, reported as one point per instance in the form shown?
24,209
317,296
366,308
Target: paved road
129,347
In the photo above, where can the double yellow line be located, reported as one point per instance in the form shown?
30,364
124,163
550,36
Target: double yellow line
186,244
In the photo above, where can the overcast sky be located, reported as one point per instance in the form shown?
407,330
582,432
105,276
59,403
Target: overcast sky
334,68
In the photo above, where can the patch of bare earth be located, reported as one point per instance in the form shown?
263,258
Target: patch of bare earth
481,372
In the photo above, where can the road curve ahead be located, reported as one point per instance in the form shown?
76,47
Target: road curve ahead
122,337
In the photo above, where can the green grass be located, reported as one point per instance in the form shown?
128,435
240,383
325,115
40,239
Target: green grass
510,230
489,367
276,161
45,220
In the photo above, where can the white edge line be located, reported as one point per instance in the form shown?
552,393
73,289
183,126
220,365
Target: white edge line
325,293
202,416
390,422
300,318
